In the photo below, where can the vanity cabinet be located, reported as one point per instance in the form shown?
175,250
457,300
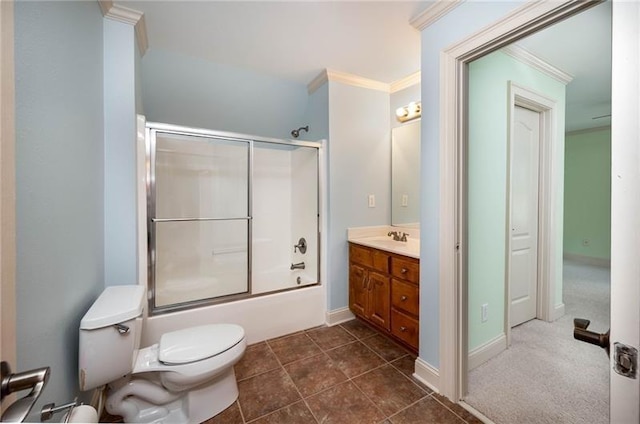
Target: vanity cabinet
384,290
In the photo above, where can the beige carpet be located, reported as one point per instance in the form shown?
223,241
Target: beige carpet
546,376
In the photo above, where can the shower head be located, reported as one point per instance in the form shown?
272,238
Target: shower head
296,133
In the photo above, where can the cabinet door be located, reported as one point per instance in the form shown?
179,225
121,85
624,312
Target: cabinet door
379,305
358,289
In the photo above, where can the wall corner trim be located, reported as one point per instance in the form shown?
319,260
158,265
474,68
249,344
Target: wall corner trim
427,375
123,14
434,12
405,82
523,55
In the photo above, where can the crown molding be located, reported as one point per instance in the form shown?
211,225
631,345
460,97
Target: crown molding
528,58
129,16
346,78
434,12
405,82
356,80
317,82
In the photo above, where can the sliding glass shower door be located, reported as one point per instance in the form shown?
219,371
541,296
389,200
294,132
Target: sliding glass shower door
199,218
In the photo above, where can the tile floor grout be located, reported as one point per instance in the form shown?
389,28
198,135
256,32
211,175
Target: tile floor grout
324,351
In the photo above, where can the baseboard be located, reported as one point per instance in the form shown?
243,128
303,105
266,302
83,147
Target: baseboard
427,375
339,316
587,260
483,353
479,415
558,311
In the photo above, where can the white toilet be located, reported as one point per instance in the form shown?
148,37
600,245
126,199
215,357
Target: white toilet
187,377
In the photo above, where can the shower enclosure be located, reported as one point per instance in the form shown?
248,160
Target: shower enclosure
229,216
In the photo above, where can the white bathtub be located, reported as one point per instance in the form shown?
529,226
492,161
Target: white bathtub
262,317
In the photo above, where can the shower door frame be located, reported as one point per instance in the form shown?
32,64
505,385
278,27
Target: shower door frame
151,131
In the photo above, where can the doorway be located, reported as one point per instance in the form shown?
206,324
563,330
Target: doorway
528,181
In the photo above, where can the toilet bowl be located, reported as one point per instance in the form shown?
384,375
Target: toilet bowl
186,377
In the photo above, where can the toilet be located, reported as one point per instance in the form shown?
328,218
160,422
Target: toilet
187,377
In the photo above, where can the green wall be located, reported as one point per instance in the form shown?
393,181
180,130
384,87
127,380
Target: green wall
487,179
587,194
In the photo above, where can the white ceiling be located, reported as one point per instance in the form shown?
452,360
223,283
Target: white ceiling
581,46
296,40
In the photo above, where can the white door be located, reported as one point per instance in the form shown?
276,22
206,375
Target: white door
625,205
523,267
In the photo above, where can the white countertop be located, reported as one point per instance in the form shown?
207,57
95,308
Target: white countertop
377,238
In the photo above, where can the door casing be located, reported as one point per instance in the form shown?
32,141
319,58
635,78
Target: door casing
547,307
523,21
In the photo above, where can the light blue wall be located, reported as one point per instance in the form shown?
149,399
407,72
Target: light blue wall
120,214
183,90
489,77
59,184
359,165
461,22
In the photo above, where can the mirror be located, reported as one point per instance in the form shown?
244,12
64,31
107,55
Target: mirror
405,175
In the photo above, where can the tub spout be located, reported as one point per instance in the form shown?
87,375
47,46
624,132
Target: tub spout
297,266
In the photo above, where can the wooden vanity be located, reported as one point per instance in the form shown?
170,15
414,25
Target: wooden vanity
384,290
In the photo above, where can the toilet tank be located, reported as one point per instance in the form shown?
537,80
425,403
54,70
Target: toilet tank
110,336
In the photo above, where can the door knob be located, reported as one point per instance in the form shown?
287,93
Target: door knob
581,333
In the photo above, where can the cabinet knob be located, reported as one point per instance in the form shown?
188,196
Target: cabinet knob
403,329
404,270
403,298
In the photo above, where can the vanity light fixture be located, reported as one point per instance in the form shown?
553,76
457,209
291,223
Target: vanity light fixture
411,111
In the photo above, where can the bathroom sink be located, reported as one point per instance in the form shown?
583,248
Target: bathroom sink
411,247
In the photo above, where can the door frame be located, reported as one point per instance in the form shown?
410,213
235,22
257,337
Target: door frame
527,98
7,188
525,20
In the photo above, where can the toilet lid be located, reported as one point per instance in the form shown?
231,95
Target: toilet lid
198,343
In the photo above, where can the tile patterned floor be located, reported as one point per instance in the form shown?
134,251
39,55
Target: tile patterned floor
346,374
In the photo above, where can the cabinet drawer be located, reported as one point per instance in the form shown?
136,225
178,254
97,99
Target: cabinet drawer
360,255
405,269
404,328
405,296
369,257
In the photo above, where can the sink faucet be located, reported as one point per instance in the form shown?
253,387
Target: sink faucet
397,236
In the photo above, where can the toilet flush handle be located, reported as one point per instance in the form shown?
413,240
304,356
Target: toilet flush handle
122,329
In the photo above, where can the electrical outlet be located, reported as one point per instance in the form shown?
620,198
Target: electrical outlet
484,312
404,202
586,242
372,200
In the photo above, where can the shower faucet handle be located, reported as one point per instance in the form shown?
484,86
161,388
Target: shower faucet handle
302,245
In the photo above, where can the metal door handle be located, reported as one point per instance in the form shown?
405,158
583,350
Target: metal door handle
15,382
403,298
581,333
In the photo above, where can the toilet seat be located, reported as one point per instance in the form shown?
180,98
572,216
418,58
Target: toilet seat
148,359
198,343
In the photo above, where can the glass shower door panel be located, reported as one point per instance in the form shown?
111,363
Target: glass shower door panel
199,260
199,177
285,209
